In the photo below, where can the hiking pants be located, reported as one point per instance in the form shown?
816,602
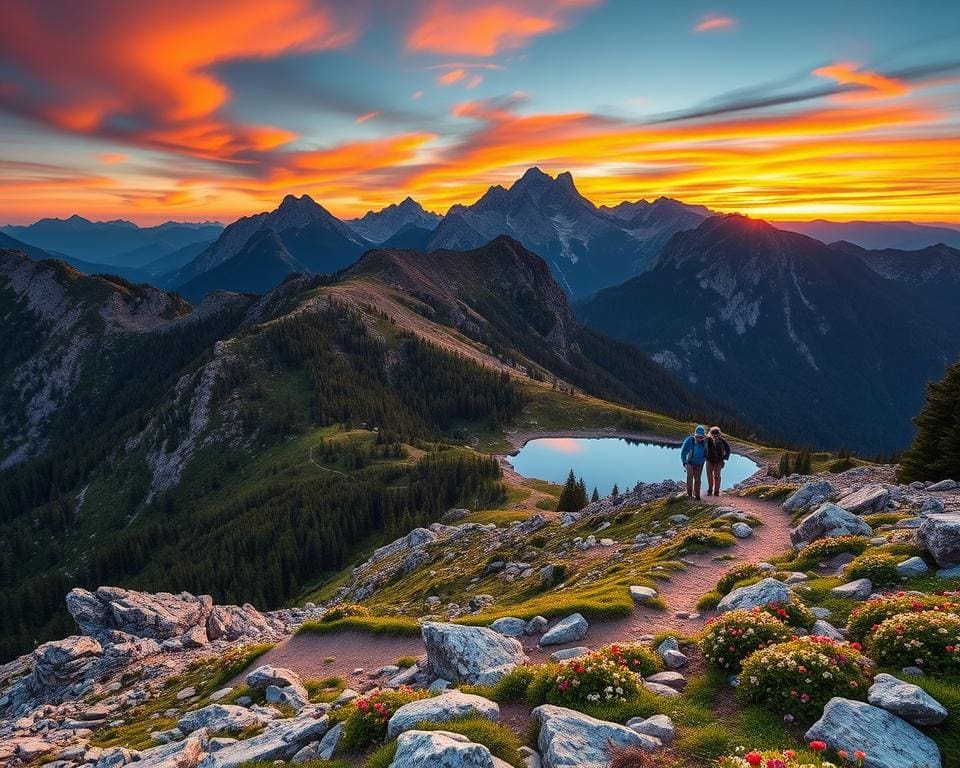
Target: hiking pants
694,476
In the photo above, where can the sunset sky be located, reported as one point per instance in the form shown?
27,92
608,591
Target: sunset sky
211,109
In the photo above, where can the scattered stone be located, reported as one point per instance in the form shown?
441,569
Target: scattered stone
949,573
823,628
535,626
441,749
330,741
859,589
570,739
510,626
672,679
219,718
905,700
762,593
642,594
186,693
475,655
912,672
810,496
888,741
944,485
263,677
829,520
940,536
568,630
440,709
220,694
569,653
865,500
660,689
913,566
659,726
281,741
742,530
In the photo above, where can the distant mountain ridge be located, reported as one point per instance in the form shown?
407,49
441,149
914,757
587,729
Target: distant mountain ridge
379,226
876,235
113,243
815,345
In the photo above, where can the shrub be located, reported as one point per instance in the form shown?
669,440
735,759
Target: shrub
730,638
793,612
879,567
788,758
823,549
735,574
865,617
365,719
586,680
636,657
928,639
498,738
345,611
799,677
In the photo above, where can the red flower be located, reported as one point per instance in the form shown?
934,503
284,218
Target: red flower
842,753
856,646
754,757
789,754
818,746
949,649
859,755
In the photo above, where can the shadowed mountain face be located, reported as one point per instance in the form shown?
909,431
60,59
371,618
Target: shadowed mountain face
904,235
587,248
112,243
811,343
380,226
257,251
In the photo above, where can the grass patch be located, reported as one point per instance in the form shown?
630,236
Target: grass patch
372,625
405,662
770,492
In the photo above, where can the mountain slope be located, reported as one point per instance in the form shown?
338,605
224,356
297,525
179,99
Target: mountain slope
814,346
380,226
117,243
300,233
903,235
586,248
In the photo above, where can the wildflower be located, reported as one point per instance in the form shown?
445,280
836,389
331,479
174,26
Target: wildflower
818,746
754,757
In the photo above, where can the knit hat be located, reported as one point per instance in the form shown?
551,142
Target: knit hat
700,431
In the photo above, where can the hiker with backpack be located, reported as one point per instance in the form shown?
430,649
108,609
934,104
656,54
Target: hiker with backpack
693,454
718,451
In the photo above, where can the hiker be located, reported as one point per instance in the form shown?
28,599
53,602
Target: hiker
693,453
718,451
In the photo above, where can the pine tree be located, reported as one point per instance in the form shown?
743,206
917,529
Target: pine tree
568,496
582,498
596,494
784,468
615,493
804,464
935,452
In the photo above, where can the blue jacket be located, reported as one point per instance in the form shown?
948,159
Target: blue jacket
692,452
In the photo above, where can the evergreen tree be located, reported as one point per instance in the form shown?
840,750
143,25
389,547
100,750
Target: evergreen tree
615,493
784,468
803,465
568,496
596,494
935,453
582,498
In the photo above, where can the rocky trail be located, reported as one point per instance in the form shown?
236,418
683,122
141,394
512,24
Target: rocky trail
357,656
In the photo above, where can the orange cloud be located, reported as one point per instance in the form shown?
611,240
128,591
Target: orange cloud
470,28
112,158
868,84
451,77
714,23
366,116
474,81
148,67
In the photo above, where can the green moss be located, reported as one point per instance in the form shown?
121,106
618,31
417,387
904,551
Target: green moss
373,625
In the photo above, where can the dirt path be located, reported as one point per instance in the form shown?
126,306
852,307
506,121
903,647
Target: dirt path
319,656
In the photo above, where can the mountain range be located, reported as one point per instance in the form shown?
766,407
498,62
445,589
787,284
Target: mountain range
902,235
132,422
827,346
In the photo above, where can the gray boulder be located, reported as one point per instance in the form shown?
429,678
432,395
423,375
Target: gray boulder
536,625
912,566
572,628
475,655
863,501
906,700
330,741
888,741
669,678
829,520
762,593
810,496
440,709
239,622
741,530
440,749
264,676
642,595
510,626
219,718
858,589
180,754
944,485
280,741
160,616
940,536
569,653
568,738
823,628
61,663
659,726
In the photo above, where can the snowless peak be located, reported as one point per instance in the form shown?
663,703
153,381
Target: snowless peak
292,202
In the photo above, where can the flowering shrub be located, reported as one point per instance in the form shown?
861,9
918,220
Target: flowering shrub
824,549
866,617
367,717
345,611
928,639
735,574
799,677
731,637
793,612
879,567
636,657
589,679
788,759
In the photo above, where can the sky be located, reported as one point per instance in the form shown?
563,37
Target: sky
212,109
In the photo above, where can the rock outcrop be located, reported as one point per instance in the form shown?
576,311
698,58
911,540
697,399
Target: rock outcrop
762,593
906,700
571,739
475,655
940,536
440,709
829,520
